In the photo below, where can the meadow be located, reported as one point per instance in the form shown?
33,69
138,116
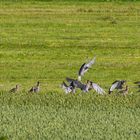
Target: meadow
48,41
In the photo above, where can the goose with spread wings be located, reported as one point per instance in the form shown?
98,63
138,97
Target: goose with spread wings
80,85
118,84
84,68
86,87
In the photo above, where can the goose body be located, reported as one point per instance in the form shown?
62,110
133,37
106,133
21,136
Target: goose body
84,87
80,85
118,84
35,89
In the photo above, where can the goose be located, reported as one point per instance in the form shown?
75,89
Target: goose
97,88
84,87
78,84
84,68
75,81
124,91
36,88
15,89
68,89
118,84
31,90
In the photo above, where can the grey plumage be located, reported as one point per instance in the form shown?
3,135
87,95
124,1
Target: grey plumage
68,88
118,84
84,87
84,68
97,88
80,85
75,82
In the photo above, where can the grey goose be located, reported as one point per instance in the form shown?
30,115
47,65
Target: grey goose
118,84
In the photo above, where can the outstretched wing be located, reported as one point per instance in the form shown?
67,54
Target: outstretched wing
114,85
83,69
97,88
91,62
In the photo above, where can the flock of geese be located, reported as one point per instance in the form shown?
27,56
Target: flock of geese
73,84
33,89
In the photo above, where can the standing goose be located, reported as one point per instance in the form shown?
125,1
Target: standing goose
84,68
14,90
68,89
118,84
36,88
97,88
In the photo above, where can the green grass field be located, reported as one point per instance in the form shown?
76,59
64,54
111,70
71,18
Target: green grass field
48,41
